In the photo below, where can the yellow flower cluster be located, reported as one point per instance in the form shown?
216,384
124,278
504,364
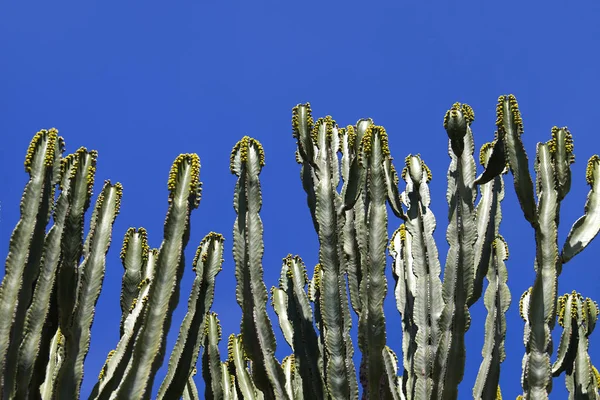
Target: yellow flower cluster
195,185
513,106
243,146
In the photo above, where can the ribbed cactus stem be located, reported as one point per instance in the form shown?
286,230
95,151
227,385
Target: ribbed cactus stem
42,163
296,321
206,264
459,270
373,153
578,317
537,379
429,302
38,312
134,255
184,196
488,216
400,249
247,160
91,271
325,177
118,360
497,300
510,129
211,360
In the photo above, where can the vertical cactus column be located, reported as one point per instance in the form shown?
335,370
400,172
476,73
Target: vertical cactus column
149,349
258,338
459,270
42,163
378,181
428,300
318,144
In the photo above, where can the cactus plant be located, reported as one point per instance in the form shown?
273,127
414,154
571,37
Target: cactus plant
54,277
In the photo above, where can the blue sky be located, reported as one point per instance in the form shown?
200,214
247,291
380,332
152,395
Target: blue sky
142,83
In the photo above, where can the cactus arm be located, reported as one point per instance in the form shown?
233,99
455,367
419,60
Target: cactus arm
340,373
334,308
190,391
184,187
314,295
77,336
55,359
302,125
402,268
207,264
537,379
352,256
352,175
279,300
561,147
247,160
373,286
578,317
587,227
212,371
118,360
488,216
429,303
495,161
304,341
238,359
228,383
393,194
497,300
38,313
293,380
461,236
134,255
27,238
391,371
72,243
510,128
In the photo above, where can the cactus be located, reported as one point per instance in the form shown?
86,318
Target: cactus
54,277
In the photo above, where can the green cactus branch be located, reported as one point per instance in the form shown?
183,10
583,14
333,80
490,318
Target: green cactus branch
340,372
459,270
184,196
207,264
42,163
247,160
497,300
429,302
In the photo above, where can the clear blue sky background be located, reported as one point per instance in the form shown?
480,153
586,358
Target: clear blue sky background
143,82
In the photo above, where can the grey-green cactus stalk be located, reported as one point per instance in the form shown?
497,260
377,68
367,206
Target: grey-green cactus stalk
578,317
54,274
247,160
148,352
318,144
42,163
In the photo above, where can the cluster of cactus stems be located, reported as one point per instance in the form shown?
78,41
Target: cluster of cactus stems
54,274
